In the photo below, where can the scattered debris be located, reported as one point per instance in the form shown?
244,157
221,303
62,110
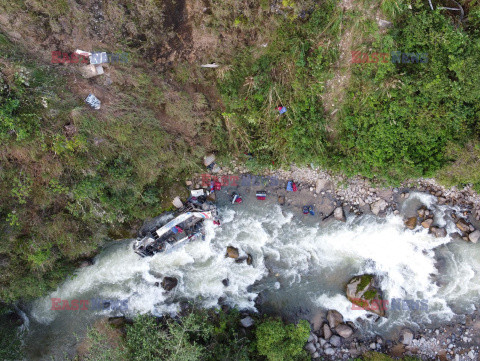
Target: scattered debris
89,71
291,186
281,109
261,195
197,192
236,198
93,101
177,202
98,58
212,65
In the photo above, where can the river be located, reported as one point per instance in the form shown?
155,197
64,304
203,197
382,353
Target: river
300,267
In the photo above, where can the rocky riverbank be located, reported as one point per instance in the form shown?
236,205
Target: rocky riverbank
339,340
356,195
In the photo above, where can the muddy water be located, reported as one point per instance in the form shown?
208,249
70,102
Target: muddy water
300,267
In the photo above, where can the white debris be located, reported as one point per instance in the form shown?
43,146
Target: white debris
98,58
177,202
197,192
213,65
93,101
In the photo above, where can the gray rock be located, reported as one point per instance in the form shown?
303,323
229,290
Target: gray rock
322,341
208,159
373,345
327,333
334,318
355,293
339,214
474,236
329,352
384,24
336,341
343,330
378,206
321,185
310,347
438,232
421,211
247,322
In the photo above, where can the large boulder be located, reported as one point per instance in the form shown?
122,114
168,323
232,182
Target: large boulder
169,283
327,332
339,214
474,236
378,206
334,318
362,292
232,252
344,330
411,222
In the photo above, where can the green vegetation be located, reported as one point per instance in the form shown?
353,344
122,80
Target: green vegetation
198,335
370,294
399,118
364,282
396,121
290,71
10,336
282,343
73,178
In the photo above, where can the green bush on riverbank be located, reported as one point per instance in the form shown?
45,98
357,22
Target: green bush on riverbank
198,335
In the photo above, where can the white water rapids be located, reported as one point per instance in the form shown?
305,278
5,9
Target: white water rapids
300,266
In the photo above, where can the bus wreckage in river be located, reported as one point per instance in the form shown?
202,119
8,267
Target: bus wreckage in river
188,225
